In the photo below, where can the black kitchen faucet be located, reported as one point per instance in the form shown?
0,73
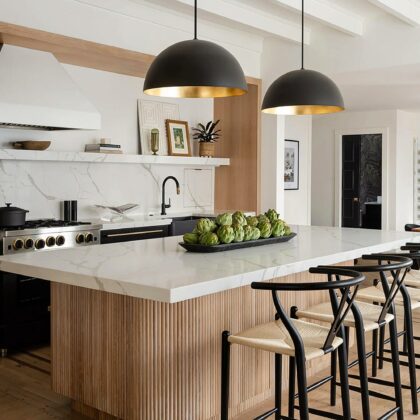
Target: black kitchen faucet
167,206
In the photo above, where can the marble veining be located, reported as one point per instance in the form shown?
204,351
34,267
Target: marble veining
40,187
159,269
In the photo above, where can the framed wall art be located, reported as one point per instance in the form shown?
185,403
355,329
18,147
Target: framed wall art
178,138
291,165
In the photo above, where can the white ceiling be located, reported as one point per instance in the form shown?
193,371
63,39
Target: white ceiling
382,88
379,88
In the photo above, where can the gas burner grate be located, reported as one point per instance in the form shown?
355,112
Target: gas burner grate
45,223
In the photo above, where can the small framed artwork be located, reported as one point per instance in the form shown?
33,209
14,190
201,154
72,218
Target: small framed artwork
291,165
178,138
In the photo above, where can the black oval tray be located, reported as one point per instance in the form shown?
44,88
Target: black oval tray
236,245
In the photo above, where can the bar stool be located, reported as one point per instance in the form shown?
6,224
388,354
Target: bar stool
408,299
301,341
366,317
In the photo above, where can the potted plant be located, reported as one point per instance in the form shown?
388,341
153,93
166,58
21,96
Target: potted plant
207,137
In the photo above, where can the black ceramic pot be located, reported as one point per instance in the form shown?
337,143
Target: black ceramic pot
12,216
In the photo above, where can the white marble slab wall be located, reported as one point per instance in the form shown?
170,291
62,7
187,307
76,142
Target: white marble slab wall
40,187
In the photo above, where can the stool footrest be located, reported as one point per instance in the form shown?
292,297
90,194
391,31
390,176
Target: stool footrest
390,413
356,362
371,392
326,414
403,353
267,414
402,362
317,384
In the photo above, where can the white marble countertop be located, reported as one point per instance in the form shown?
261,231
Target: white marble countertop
159,269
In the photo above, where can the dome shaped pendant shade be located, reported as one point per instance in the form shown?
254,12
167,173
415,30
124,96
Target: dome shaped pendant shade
303,92
195,69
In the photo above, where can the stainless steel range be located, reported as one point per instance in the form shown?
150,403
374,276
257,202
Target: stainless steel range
25,301
47,234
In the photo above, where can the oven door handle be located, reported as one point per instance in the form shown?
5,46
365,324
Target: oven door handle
121,235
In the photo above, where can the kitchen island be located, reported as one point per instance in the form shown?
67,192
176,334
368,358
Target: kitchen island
136,326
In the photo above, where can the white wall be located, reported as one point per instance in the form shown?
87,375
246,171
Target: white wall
272,163
408,124
294,206
297,203
115,96
324,159
41,186
402,127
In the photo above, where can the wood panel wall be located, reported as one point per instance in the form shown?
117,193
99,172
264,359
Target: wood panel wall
238,186
77,51
142,360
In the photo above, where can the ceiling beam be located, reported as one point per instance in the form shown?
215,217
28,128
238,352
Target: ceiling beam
405,10
328,14
252,18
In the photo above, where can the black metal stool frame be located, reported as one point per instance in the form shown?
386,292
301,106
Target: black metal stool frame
340,312
408,337
395,264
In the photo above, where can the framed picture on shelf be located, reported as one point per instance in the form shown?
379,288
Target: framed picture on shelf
153,115
291,165
178,138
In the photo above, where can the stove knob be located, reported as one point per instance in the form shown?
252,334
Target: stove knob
29,243
89,237
18,244
39,244
80,238
50,241
60,240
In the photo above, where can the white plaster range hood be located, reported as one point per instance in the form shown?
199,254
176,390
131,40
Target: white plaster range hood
36,92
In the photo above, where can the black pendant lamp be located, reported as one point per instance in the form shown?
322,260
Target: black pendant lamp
303,92
195,69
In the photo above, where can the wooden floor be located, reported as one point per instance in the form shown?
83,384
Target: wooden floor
25,392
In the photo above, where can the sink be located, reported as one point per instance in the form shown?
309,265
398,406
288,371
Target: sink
182,224
183,218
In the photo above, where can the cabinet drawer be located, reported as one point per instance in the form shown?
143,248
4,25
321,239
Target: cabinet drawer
133,234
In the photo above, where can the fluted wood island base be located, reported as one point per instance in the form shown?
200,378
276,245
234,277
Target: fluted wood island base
140,359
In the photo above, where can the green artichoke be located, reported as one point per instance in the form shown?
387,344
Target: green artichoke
204,225
191,238
263,218
265,229
272,215
213,226
252,221
226,234
278,228
238,230
287,231
209,239
248,230
224,219
255,234
239,218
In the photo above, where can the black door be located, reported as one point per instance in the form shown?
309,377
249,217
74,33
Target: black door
350,204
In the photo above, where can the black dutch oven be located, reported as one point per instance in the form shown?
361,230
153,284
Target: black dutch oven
12,216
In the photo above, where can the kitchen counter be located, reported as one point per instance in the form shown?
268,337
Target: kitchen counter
145,220
160,270
136,327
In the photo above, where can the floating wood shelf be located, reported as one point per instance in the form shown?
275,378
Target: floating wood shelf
57,156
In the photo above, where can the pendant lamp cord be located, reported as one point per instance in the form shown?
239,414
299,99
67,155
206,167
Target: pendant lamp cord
303,33
195,19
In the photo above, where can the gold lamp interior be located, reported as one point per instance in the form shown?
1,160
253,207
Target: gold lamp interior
195,91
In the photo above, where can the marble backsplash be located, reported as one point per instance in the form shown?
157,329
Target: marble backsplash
40,187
